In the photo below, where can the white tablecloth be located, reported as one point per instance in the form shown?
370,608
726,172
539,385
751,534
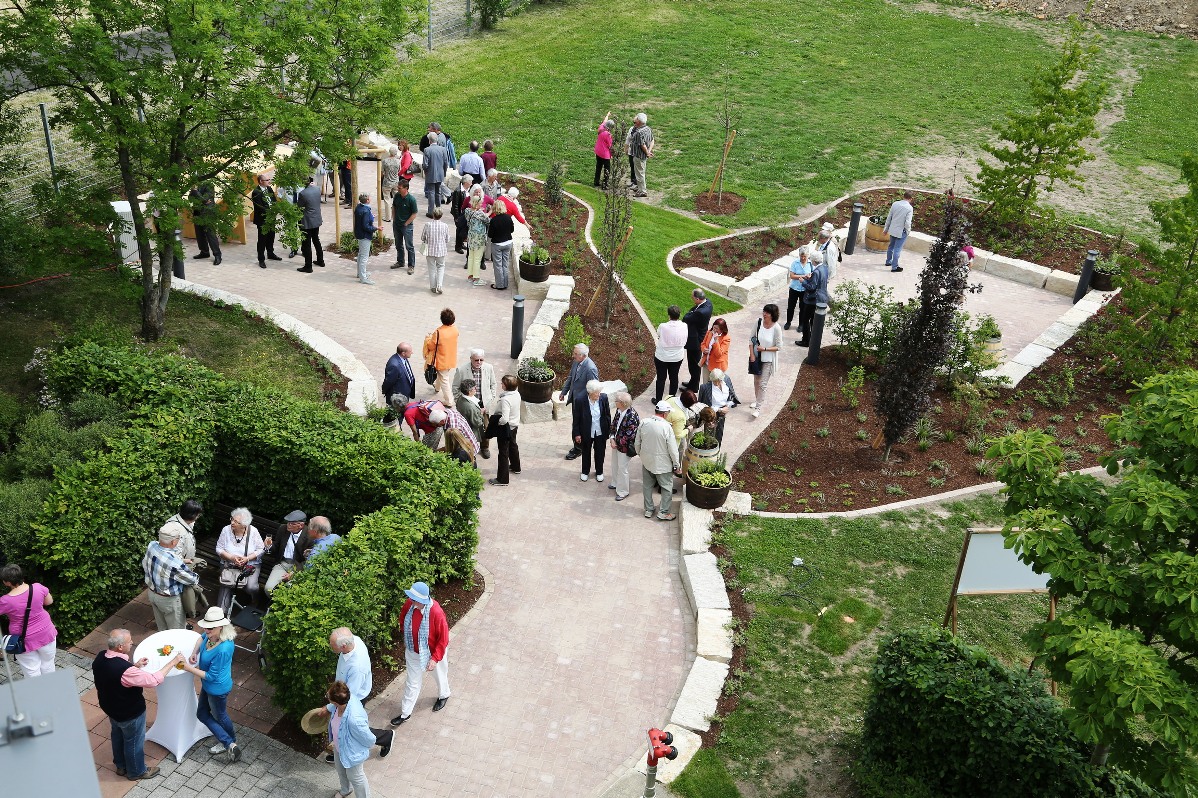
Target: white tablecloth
175,726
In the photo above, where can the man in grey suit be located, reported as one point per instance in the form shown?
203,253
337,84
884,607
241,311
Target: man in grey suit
309,205
659,460
582,371
436,164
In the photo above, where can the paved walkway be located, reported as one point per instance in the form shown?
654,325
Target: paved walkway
587,636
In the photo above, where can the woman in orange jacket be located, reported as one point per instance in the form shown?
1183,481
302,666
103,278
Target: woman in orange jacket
714,349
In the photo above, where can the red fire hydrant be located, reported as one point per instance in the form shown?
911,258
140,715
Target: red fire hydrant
659,748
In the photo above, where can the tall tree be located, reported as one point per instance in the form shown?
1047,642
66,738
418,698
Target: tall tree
1043,144
1126,555
179,93
924,335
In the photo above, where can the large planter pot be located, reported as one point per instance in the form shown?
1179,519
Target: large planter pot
1102,282
535,392
876,239
534,272
693,454
706,498
994,347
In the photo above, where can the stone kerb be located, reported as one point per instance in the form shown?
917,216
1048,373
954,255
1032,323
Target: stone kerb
362,392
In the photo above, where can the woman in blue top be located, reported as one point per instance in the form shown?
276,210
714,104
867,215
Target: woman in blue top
349,731
799,270
212,661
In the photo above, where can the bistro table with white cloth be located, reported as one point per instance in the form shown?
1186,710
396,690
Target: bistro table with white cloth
175,726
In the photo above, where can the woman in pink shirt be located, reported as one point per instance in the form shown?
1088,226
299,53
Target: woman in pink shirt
603,150
40,634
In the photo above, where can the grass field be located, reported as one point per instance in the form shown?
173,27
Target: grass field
826,93
103,306
805,681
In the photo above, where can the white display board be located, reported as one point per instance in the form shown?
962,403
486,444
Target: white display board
988,567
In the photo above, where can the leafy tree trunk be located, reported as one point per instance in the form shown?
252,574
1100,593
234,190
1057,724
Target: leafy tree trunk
616,216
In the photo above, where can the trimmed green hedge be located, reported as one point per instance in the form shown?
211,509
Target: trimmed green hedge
101,513
405,513
947,719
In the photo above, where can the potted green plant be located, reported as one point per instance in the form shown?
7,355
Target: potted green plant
534,265
708,483
990,334
534,380
876,239
1103,278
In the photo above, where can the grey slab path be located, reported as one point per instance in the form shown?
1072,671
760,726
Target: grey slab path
584,643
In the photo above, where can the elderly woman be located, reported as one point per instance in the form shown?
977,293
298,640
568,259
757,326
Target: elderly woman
352,739
800,269
624,425
714,349
477,221
212,662
603,144
592,428
718,394
500,232
239,546
458,203
763,354
671,349
419,418
508,408
390,180
25,605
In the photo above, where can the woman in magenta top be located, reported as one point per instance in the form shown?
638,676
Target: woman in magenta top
603,150
41,635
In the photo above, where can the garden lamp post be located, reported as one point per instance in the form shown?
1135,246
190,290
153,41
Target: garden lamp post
1083,283
517,325
817,335
854,224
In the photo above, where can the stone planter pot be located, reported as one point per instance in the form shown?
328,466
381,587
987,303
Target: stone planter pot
707,498
535,392
534,272
876,239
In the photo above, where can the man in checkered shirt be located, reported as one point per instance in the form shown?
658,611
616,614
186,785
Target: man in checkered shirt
167,575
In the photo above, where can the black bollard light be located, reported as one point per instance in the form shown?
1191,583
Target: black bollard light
1083,283
817,336
517,325
854,223
177,269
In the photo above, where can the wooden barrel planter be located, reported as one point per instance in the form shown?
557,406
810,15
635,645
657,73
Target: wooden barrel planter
534,272
994,347
693,454
876,239
707,498
535,392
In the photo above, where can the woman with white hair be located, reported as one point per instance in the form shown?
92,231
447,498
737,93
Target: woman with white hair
240,549
390,177
624,425
212,662
500,232
592,428
718,394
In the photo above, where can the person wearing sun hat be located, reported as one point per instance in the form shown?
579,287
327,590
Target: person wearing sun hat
212,662
426,638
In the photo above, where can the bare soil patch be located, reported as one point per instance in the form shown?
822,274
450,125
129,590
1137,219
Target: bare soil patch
725,204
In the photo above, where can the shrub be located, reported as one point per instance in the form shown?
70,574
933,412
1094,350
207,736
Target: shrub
861,318
45,444
946,719
554,178
20,505
572,334
12,413
347,244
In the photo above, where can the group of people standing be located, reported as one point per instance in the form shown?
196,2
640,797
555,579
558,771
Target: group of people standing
638,147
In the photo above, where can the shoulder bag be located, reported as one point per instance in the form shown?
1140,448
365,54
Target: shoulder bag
234,574
15,644
430,369
754,356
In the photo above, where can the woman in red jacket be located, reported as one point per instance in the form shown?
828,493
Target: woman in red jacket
714,349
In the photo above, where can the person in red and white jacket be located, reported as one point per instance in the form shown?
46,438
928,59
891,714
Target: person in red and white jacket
426,638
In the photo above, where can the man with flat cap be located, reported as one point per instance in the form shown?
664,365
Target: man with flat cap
425,638
291,555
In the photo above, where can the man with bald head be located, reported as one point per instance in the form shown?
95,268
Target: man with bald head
353,668
398,377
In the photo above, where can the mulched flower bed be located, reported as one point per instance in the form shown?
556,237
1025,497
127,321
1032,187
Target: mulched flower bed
816,455
623,350
455,597
725,204
1056,246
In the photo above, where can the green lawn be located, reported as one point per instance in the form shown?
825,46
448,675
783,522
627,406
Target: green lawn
1161,123
828,93
103,306
805,681
654,233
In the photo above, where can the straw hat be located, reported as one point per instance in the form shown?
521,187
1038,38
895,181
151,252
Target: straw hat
214,618
312,722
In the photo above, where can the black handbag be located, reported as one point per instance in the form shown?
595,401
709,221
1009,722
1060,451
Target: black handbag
494,428
430,370
755,362
15,644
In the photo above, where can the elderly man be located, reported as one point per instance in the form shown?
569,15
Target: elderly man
659,460
582,371
398,377
483,374
320,536
898,227
183,522
353,668
436,164
290,548
119,685
403,227
426,640
167,576
470,410
472,164
262,198
640,150
240,550
697,320
390,181
458,202
310,222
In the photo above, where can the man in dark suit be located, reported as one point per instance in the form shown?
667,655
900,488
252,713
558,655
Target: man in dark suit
697,320
262,197
309,205
203,217
398,377
582,371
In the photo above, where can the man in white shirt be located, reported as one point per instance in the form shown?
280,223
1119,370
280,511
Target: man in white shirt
353,668
659,460
898,227
472,164
291,555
